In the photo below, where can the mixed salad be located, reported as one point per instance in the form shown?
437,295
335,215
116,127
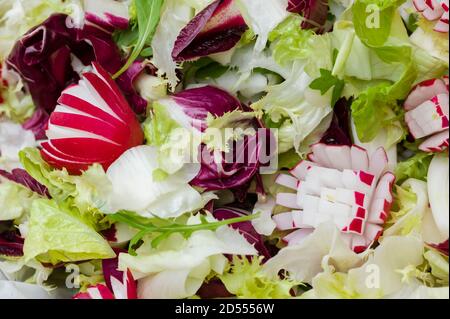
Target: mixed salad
224,148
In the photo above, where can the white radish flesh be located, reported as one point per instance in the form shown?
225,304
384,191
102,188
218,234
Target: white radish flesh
360,158
287,200
378,162
287,181
284,221
425,91
436,143
339,156
301,169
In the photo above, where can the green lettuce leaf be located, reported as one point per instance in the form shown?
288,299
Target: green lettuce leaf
86,193
245,279
415,167
57,234
15,200
373,20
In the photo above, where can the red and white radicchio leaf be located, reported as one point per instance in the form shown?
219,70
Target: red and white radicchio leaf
92,123
342,184
107,14
217,28
427,114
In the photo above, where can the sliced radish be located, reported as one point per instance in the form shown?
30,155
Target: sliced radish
284,221
339,155
438,192
378,162
425,91
287,181
353,192
91,124
301,169
320,155
428,112
360,158
287,200
436,143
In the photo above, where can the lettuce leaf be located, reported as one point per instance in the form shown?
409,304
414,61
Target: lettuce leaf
86,193
178,266
373,20
245,279
57,234
15,200
414,167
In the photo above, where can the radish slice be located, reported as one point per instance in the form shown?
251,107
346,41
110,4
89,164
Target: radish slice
353,191
378,162
284,221
339,156
287,200
360,159
320,155
287,181
436,143
425,91
301,169
92,124
428,112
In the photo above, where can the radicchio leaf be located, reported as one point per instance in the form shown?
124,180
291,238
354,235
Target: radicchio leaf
126,83
339,130
245,228
217,28
22,177
11,244
314,11
442,247
43,57
37,124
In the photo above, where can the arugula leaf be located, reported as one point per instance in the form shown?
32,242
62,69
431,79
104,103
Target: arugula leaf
148,14
166,227
325,82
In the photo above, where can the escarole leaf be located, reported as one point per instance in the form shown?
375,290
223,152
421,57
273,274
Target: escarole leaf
245,279
164,228
57,234
148,14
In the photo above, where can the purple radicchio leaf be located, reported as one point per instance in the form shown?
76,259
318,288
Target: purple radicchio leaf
21,176
110,268
213,289
217,28
37,124
314,11
247,157
107,14
126,83
245,228
339,130
44,58
11,244
442,247
197,103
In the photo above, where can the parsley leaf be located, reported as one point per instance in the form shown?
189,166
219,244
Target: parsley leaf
325,82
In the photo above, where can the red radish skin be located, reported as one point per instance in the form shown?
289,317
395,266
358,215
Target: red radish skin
427,114
92,123
358,203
